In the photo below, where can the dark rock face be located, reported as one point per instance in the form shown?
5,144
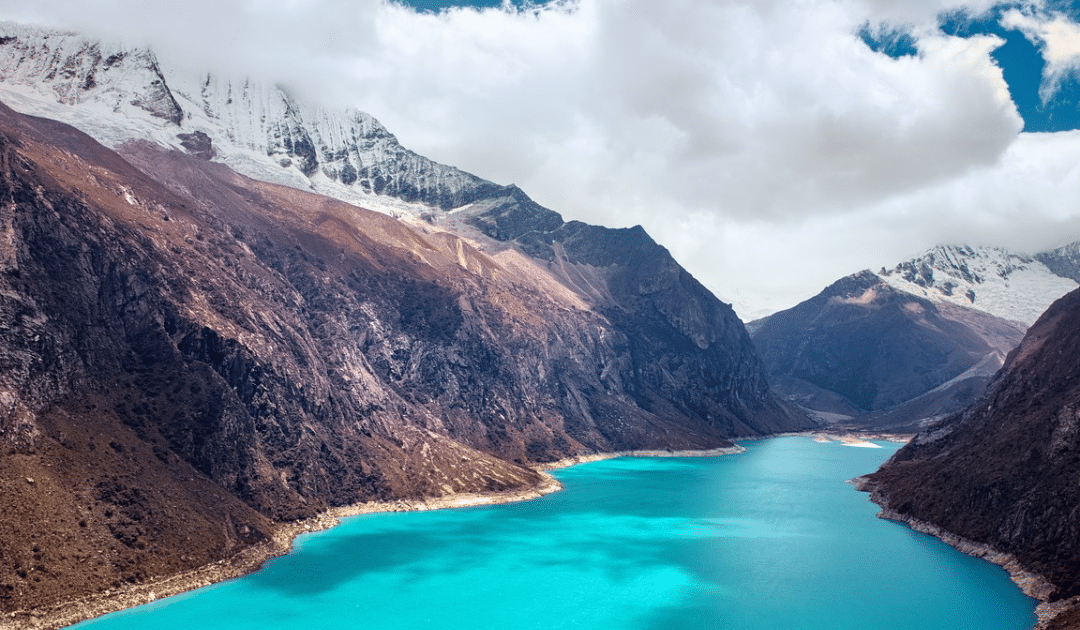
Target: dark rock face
654,305
1003,473
198,144
1064,261
889,356
94,496
189,354
509,214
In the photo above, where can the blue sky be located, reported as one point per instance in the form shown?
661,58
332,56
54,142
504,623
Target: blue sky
772,146
1019,57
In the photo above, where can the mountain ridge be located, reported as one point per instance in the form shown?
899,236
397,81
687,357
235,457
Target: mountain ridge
1011,286
177,329
120,93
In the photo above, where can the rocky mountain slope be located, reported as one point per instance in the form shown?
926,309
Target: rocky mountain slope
122,95
1063,261
192,356
862,348
895,349
1003,473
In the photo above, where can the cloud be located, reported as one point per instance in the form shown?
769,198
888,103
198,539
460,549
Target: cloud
762,141
772,109
920,13
1027,202
1057,36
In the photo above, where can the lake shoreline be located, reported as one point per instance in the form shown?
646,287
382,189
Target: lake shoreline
251,559
1033,585
735,449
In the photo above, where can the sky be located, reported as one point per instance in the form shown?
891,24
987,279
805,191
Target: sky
773,147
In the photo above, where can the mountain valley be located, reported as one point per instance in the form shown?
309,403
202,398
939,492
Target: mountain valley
225,311
194,358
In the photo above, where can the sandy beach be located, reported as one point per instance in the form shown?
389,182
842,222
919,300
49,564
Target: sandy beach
847,438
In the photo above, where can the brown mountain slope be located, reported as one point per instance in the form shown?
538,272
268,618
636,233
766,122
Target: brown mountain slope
1004,472
189,355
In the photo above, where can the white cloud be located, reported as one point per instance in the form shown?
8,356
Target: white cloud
1057,36
761,141
919,13
1027,201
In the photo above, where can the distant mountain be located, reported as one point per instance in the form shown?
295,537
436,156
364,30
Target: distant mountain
193,356
862,347
897,348
989,279
1003,473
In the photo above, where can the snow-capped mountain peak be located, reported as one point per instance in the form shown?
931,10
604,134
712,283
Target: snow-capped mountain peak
1008,285
119,94
77,70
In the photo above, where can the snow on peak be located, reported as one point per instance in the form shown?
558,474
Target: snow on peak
1008,285
118,94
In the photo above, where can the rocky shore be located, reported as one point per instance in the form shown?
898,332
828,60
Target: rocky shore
1033,585
734,449
249,559
253,558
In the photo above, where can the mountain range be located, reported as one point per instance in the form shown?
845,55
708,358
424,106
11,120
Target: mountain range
199,345
120,94
898,348
224,310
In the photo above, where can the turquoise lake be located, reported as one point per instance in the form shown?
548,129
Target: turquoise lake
772,539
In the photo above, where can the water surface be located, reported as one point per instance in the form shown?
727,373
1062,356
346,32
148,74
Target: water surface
772,539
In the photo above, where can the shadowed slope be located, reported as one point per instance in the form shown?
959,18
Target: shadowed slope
863,349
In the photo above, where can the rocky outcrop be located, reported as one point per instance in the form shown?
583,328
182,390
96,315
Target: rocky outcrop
1063,261
1003,473
190,355
198,144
